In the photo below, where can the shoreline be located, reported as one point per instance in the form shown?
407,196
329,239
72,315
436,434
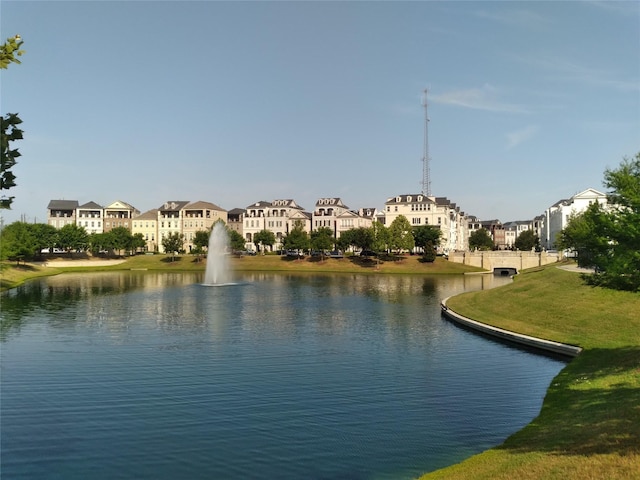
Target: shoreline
571,351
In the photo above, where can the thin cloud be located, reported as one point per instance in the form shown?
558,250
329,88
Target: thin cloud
564,70
484,98
515,18
520,136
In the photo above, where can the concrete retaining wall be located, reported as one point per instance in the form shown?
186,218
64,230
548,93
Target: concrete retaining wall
538,343
489,260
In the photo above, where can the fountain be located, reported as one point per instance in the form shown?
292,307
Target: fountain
217,271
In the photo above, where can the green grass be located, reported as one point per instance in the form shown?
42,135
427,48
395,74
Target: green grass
589,425
13,275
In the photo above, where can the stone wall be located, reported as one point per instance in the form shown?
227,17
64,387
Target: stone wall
493,259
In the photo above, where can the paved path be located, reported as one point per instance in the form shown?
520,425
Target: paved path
575,268
81,263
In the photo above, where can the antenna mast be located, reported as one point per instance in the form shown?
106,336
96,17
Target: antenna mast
426,167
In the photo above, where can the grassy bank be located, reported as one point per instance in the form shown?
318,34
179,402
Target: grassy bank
589,425
13,275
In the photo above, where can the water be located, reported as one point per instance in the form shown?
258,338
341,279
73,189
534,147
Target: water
138,375
217,270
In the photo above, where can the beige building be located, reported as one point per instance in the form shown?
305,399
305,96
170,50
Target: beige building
199,216
61,212
422,210
147,225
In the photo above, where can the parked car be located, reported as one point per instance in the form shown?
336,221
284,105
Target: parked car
368,253
294,253
336,254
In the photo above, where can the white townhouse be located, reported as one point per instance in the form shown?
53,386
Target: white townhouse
423,210
363,218
279,217
170,215
557,216
89,217
61,212
326,214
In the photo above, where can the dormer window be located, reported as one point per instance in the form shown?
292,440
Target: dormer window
419,198
408,198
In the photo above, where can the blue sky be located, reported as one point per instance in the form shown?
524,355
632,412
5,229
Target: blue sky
236,102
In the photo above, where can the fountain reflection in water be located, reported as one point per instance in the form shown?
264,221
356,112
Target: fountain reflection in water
218,271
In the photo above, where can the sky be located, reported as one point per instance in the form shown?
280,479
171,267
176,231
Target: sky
238,102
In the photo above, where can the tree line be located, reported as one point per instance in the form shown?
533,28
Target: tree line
606,238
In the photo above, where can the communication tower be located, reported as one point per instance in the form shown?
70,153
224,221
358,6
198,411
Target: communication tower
426,167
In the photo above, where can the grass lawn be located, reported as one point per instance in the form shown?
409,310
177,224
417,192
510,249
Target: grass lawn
589,425
13,275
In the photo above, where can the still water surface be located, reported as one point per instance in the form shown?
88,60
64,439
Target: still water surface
141,375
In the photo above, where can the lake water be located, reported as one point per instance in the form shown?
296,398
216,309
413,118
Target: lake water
154,376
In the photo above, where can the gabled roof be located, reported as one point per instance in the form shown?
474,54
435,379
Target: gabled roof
62,205
90,206
173,205
120,205
288,202
236,211
368,212
200,205
149,215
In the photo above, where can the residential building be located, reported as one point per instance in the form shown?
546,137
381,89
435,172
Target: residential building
89,216
170,217
512,231
327,212
199,216
421,210
119,214
279,217
147,225
235,218
61,212
557,216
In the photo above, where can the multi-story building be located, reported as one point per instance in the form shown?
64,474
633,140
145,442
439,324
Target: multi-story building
235,218
421,209
327,212
61,212
119,214
170,216
279,217
512,231
89,216
557,216
199,216
147,225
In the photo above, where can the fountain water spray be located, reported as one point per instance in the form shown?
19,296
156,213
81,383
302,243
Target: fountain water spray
218,271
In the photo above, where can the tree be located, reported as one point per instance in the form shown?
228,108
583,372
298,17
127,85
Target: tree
401,234
297,239
9,132
120,239
608,239
380,236
138,243
236,241
172,243
17,241
480,240
527,240
200,241
264,237
45,236
322,239
72,237
428,238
